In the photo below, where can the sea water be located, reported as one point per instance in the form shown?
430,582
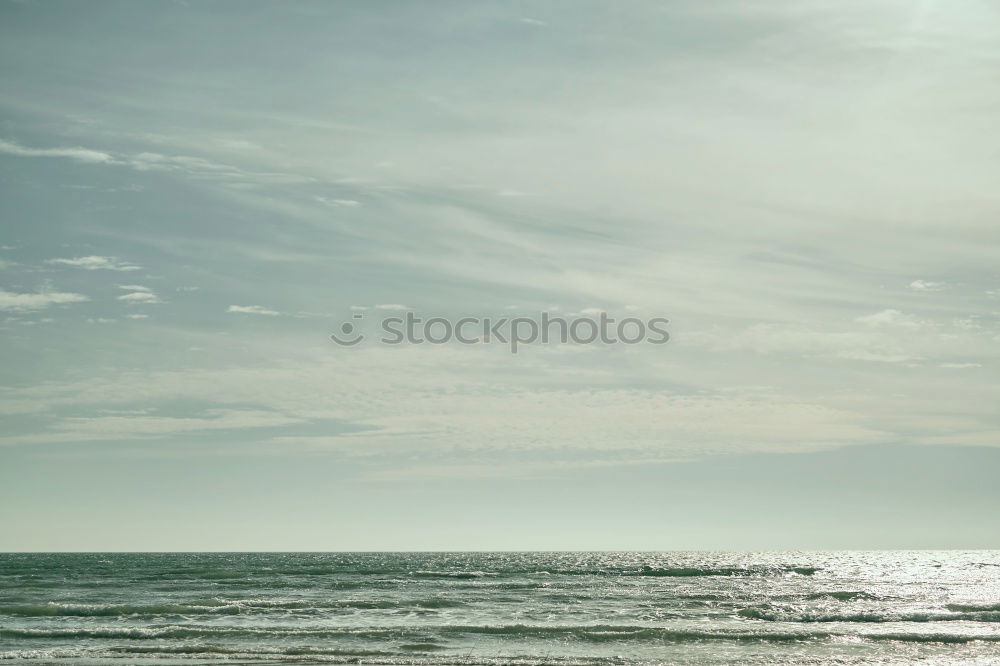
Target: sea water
934,607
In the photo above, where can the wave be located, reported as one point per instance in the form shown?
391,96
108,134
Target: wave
421,647
932,638
257,573
869,616
193,631
459,575
970,607
265,572
113,610
388,603
845,595
689,572
421,636
306,655
591,633
245,650
233,576
200,573
215,607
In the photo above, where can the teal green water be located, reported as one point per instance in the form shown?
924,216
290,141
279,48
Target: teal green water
502,608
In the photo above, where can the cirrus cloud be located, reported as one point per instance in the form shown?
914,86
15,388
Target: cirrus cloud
19,302
138,295
252,309
96,263
78,154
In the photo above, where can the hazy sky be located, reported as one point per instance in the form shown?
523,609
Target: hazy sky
195,195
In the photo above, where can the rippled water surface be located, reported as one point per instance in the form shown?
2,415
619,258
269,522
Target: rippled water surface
501,608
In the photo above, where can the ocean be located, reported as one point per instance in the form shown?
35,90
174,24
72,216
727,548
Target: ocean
926,607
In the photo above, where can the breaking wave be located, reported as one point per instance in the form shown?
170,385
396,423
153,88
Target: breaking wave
215,607
589,633
866,616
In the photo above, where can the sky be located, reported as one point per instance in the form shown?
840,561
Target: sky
195,196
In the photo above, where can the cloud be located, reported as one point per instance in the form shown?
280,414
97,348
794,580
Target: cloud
392,306
877,356
78,154
24,302
339,203
599,229
185,163
252,309
143,425
890,318
970,323
434,404
96,263
138,295
137,316
926,285
192,166
785,339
